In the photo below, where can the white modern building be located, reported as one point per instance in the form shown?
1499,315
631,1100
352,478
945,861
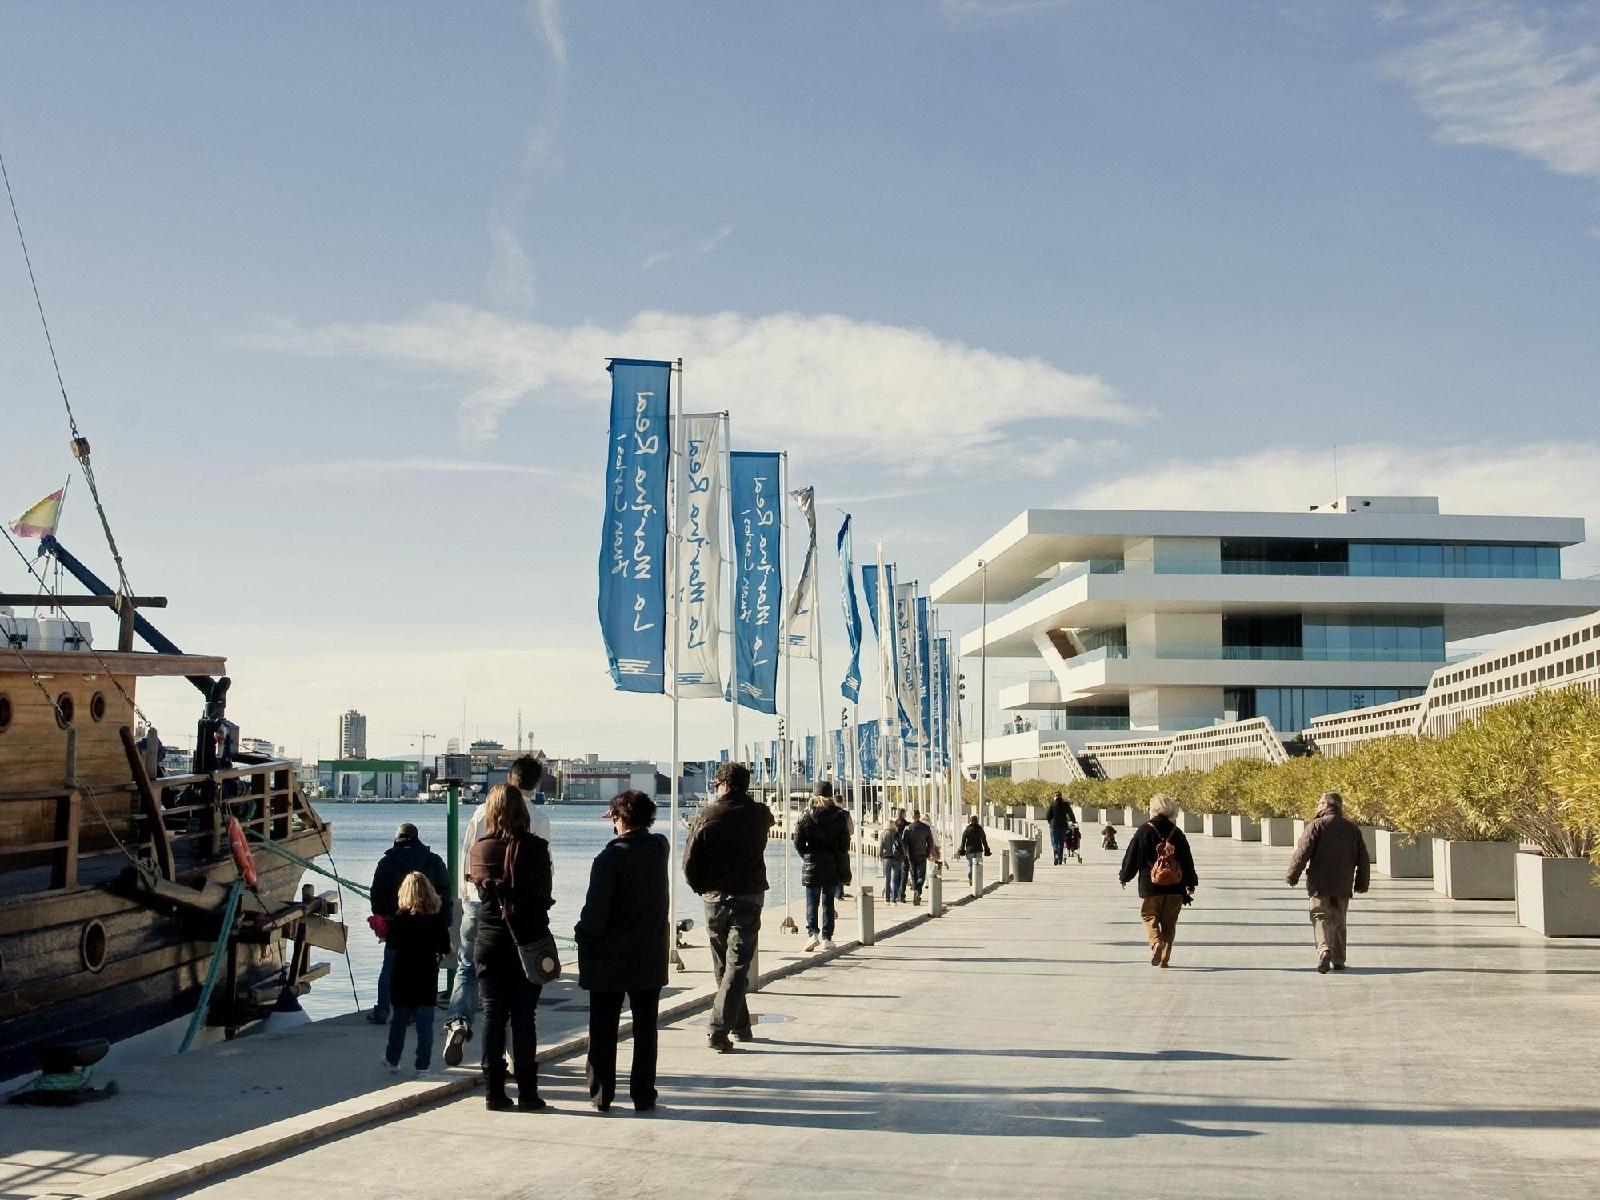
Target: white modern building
352,734
1153,623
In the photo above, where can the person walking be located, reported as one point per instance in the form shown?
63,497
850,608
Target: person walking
724,862
892,854
822,839
1061,819
974,844
1159,855
918,838
418,938
511,868
524,775
622,949
409,853
1333,856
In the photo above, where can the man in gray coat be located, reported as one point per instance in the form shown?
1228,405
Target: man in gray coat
1333,857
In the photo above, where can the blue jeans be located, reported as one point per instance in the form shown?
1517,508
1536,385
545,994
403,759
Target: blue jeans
972,862
894,880
919,877
422,1018
381,1008
464,996
826,896
733,926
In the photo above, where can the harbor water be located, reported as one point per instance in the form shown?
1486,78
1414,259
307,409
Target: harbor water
362,832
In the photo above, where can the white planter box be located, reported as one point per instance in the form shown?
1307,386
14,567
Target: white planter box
1557,896
1475,870
1369,835
1217,824
1299,830
1246,829
1277,831
1190,822
1088,816
1404,855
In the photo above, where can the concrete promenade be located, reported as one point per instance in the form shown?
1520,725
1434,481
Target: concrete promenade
1023,1046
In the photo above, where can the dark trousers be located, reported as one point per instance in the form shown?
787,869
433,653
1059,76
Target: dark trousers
401,1019
822,897
509,997
605,1011
919,877
733,925
1058,842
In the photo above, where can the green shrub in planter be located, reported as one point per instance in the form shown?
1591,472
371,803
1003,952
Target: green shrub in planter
1227,786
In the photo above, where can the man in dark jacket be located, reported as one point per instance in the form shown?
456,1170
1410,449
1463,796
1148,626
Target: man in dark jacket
822,839
1061,819
1160,903
408,854
1333,857
725,863
918,838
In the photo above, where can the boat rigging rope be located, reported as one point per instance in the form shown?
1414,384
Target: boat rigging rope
80,444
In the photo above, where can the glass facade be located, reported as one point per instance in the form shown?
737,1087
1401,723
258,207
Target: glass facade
1291,709
1372,638
1426,560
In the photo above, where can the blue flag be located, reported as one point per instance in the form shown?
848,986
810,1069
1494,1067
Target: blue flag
811,758
869,585
838,755
758,577
867,737
925,671
851,686
633,539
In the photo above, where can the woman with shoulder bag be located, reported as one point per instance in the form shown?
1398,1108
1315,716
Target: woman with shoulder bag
1159,855
511,868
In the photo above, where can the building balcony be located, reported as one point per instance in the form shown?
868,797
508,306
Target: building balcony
1112,671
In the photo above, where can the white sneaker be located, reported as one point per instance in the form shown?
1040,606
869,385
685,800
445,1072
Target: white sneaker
828,944
422,1073
392,1068
814,944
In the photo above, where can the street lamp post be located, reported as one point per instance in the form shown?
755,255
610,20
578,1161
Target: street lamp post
983,692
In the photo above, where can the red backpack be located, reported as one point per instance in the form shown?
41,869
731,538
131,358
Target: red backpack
1165,871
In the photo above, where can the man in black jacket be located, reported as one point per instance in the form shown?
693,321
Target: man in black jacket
822,839
409,853
1333,857
1061,819
919,848
725,863
1160,903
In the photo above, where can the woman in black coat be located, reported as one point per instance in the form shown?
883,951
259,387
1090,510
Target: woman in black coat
622,949
1160,904
511,868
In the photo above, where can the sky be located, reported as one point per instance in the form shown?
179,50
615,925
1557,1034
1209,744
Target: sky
332,286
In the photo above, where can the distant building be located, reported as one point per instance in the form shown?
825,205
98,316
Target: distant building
369,778
261,746
591,778
352,735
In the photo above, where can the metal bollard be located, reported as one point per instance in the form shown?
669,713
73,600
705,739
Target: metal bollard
977,878
866,916
1005,866
755,970
935,893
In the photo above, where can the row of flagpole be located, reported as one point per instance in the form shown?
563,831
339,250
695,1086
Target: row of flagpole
673,481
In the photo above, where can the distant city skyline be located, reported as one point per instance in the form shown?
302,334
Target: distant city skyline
333,308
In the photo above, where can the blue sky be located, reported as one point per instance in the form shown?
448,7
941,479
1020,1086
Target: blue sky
332,286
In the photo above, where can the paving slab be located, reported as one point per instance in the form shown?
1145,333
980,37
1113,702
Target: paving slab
1022,1045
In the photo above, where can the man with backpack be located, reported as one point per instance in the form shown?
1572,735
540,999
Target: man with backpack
1158,854
1061,819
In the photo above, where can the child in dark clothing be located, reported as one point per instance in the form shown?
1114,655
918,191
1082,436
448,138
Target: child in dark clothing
1108,838
418,936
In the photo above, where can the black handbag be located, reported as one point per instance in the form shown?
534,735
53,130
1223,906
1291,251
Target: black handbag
541,961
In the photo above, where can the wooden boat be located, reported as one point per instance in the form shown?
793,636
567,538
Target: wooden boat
114,880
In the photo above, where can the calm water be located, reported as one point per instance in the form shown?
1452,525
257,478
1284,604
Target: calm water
362,832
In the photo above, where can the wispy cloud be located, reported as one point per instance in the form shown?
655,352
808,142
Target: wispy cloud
841,390
966,14
368,468
1512,79
696,249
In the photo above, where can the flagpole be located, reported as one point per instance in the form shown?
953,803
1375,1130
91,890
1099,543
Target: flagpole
885,637
733,579
786,730
816,633
675,540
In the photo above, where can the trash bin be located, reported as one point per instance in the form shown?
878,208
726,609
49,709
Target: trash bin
1023,852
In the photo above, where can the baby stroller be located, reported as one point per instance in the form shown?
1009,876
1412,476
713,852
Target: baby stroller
1108,838
1073,841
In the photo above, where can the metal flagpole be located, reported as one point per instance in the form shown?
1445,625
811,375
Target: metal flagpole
785,722
733,581
983,691
816,635
888,665
852,752
916,717
675,541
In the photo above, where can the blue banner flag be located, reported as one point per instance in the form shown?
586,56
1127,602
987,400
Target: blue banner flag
841,769
941,678
867,739
851,686
724,756
633,539
925,670
758,577
869,585
811,758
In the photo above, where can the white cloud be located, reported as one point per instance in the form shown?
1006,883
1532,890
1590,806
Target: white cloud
546,15
697,249
1495,78
836,389
966,14
367,468
1555,479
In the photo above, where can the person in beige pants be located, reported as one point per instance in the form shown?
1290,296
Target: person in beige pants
1333,857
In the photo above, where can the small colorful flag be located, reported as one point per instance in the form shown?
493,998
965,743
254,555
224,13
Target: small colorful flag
41,520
